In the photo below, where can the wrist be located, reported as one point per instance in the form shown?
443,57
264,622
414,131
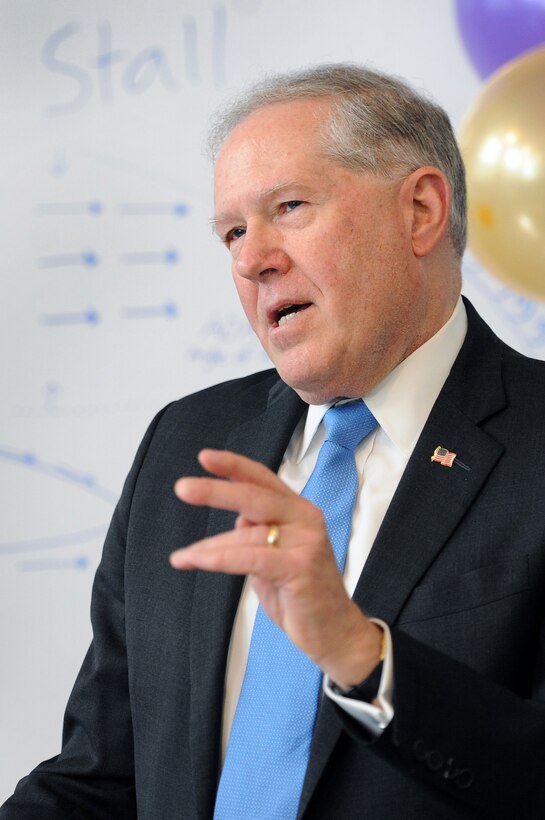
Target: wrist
357,655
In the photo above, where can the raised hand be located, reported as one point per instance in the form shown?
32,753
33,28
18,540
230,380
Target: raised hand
296,579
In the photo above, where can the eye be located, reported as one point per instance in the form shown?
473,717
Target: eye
292,204
233,234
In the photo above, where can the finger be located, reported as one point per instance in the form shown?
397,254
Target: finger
241,521
236,552
236,467
253,503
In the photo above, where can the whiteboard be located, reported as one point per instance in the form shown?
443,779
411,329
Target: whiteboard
116,298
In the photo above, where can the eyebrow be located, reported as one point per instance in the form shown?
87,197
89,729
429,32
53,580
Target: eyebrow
264,195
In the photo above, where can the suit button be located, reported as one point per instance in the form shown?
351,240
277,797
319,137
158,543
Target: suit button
420,750
434,760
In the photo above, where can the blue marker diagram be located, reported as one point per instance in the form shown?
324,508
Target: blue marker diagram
167,311
77,516
86,317
170,256
99,265
227,340
87,259
177,209
94,208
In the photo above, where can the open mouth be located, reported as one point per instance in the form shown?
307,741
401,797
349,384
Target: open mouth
288,312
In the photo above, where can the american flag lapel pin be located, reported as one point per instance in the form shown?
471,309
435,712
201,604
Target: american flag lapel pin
447,459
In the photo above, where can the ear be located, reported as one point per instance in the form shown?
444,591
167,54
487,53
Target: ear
426,194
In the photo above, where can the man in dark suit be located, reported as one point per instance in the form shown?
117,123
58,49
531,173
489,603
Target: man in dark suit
340,195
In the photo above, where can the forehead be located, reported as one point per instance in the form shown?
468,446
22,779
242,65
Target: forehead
272,147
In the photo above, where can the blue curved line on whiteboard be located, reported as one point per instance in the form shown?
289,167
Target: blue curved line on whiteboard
48,564
62,472
70,539
83,481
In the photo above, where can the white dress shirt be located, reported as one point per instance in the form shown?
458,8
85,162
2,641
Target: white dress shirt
401,403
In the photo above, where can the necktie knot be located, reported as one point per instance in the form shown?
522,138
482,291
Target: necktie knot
348,424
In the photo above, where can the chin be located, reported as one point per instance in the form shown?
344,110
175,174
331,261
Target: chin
314,384
321,390
311,390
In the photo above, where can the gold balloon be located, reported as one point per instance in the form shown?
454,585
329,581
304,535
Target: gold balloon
503,145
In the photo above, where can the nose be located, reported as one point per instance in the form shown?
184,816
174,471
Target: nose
259,253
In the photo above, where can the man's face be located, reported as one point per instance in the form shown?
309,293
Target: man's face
321,255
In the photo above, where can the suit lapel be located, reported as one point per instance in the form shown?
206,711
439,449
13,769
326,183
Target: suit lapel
429,501
264,437
426,508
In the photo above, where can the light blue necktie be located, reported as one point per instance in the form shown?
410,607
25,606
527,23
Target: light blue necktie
272,730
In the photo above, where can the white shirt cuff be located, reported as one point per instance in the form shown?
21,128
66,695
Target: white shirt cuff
375,716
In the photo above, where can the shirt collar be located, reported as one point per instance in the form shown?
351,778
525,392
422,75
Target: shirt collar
402,402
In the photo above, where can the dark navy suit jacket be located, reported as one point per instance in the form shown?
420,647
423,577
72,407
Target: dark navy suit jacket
457,569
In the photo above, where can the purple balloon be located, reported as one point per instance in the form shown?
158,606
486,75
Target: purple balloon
496,31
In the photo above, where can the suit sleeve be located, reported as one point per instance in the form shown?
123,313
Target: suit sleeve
93,776
463,736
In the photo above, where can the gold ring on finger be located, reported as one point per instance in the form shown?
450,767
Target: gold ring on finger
273,535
